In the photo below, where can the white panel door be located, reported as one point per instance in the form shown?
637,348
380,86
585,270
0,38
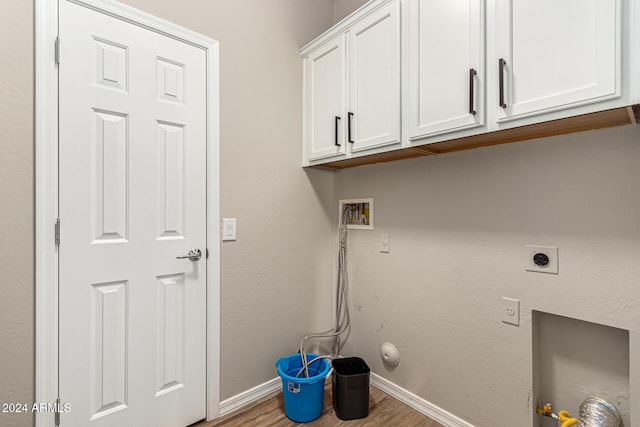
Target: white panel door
446,73
373,119
325,99
132,198
556,54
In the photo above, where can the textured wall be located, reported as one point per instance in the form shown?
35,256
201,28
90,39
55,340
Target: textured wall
459,224
16,209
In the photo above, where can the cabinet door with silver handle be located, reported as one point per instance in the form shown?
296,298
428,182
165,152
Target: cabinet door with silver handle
194,255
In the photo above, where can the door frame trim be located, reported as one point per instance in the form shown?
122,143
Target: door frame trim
46,194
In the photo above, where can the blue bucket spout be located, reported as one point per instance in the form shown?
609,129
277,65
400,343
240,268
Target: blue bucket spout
303,397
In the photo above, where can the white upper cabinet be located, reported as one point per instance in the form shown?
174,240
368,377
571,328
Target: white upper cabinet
553,55
325,92
445,66
352,86
465,68
373,119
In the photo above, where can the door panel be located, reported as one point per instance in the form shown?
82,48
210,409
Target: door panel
109,345
539,75
170,344
171,170
132,198
374,52
446,41
325,97
110,148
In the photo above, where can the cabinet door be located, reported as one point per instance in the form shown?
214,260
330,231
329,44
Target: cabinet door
446,73
556,54
374,69
325,100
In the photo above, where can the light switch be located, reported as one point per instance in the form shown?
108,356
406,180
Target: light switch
383,244
228,229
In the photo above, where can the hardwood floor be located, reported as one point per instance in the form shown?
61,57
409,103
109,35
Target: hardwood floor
384,410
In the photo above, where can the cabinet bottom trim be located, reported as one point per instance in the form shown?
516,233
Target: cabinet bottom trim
592,121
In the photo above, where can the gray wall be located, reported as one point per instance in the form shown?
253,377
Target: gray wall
16,208
458,226
344,7
276,278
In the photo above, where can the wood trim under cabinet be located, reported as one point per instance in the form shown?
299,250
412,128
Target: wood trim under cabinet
599,120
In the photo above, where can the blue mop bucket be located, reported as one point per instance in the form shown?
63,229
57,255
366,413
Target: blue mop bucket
303,397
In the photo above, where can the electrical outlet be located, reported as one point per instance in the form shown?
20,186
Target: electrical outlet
511,311
541,259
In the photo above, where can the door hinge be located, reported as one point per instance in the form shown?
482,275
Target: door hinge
57,232
57,51
57,416
207,252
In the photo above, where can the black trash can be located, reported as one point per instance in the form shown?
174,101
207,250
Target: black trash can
350,384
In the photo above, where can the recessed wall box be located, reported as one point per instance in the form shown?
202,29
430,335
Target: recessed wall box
359,213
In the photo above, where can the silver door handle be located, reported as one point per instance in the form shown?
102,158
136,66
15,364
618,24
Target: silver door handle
194,255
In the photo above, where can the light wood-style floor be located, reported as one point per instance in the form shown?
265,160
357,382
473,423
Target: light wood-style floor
384,410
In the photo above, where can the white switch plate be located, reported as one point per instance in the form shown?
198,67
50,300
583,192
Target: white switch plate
511,311
384,244
228,229
550,251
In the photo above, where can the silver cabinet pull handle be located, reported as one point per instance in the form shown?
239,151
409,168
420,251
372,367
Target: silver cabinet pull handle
194,255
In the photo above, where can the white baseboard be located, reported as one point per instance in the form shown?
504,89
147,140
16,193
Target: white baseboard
247,397
416,402
405,396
